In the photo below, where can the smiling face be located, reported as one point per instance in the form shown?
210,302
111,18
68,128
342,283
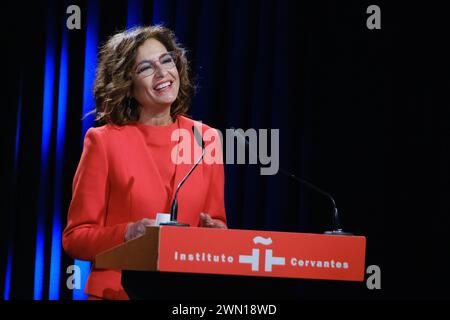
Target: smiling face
155,92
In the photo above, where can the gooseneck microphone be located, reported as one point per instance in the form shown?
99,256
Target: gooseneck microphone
336,230
174,208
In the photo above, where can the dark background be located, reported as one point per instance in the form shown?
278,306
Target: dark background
362,113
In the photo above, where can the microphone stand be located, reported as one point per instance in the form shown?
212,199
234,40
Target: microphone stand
174,208
336,230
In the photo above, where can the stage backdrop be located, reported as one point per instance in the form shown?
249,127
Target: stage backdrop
356,109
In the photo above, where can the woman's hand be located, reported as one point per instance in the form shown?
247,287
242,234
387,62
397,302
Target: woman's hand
137,228
208,222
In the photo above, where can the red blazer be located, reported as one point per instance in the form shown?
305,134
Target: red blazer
117,182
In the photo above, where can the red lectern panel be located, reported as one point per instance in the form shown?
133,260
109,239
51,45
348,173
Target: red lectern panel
240,252
261,253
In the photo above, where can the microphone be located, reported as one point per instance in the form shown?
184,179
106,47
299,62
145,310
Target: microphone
336,230
174,208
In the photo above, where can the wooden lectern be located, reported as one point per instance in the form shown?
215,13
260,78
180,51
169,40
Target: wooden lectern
185,263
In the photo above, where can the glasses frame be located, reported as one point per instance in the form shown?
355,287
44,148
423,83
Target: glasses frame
156,63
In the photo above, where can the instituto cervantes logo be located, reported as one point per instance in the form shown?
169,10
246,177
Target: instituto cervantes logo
270,260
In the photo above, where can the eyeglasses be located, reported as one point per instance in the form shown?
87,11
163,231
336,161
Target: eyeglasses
167,61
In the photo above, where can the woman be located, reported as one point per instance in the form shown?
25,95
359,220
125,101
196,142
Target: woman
127,173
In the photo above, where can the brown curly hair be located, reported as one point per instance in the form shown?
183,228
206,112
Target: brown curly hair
113,82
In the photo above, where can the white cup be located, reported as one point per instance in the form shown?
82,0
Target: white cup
161,218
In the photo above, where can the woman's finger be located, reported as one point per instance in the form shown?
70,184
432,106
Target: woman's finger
140,228
148,222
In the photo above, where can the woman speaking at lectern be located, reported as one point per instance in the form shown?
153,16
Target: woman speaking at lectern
127,174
